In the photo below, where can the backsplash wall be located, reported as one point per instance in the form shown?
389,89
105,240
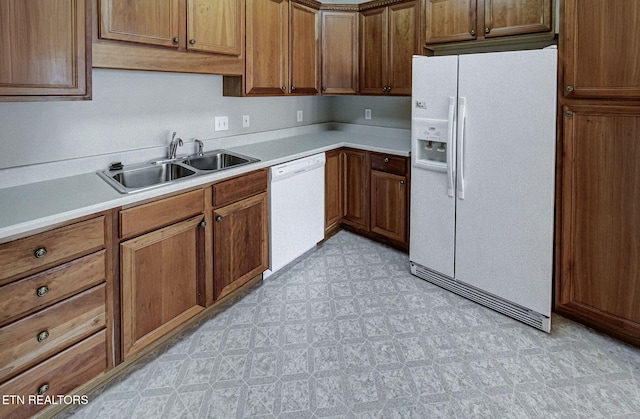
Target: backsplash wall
134,110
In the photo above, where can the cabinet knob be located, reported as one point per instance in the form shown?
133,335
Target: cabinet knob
472,32
192,41
324,89
386,159
42,336
176,40
569,89
203,224
42,291
40,253
219,218
487,30
293,87
402,182
43,389
569,113
283,88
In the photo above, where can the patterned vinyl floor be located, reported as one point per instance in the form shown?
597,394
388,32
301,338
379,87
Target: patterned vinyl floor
347,332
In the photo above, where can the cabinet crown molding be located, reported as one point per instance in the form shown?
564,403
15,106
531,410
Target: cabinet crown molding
309,3
357,7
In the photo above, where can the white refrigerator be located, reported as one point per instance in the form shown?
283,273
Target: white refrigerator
483,176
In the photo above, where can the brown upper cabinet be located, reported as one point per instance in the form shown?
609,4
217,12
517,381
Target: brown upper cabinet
45,52
465,20
283,55
211,25
601,56
339,53
389,37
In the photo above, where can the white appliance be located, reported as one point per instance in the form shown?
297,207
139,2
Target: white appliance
296,209
482,184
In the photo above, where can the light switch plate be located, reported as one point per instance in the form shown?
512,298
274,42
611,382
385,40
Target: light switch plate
367,114
299,116
245,121
221,123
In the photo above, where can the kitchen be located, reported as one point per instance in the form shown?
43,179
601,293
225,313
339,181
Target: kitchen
131,118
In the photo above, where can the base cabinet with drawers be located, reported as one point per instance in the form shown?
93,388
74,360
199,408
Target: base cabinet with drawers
368,193
56,311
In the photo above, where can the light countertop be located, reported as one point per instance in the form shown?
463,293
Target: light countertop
35,206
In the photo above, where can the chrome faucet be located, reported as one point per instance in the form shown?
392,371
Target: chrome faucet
200,146
173,146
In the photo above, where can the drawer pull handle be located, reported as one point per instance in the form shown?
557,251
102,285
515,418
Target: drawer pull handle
42,291
42,336
43,389
386,159
40,253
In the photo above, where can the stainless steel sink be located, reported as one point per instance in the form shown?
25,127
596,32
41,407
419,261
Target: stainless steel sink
217,160
139,177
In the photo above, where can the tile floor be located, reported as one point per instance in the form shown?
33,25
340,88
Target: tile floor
348,332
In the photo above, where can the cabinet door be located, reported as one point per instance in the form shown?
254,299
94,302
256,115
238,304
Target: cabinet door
214,26
450,20
405,41
240,243
267,35
339,53
304,50
509,17
162,282
154,22
43,48
334,190
600,259
601,48
389,205
373,51
356,188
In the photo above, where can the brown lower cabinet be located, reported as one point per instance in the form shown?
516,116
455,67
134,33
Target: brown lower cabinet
368,193
240,231
598,281
57,316
162,282
389,205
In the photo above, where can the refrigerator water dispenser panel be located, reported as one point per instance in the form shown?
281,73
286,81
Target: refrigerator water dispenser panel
431,142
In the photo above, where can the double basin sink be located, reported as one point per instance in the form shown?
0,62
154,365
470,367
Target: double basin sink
139,177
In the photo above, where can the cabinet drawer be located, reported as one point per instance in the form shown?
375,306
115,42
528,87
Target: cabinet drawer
59,375
240,187
36,337
54,246
43,289
389,163
154,215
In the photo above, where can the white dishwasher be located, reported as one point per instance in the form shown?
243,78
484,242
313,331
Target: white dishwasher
296,209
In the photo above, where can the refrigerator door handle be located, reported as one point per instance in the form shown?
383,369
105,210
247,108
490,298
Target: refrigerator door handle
450,147
462,120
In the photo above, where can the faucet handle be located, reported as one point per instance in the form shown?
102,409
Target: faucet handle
200,147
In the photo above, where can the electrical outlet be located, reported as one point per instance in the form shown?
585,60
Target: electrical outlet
221,123
367,114
245,121
299,116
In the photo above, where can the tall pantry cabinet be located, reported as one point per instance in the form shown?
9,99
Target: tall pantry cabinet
598,235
